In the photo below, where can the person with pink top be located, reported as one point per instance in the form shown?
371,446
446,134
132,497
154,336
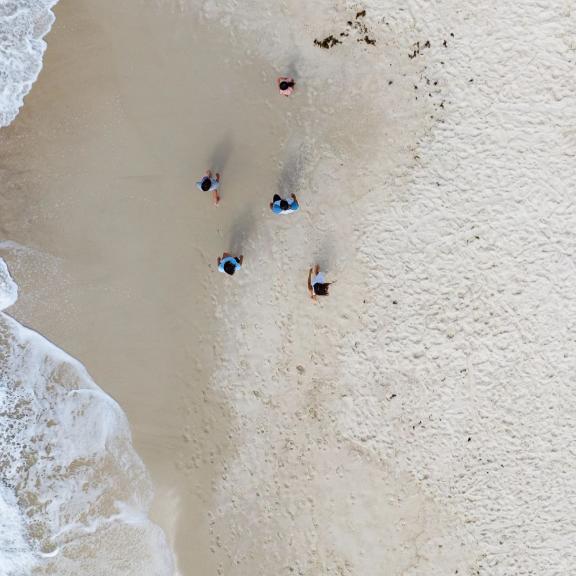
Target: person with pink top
286,85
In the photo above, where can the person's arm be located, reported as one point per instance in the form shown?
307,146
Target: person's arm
219,260
310,289
225,255
271,204
240,259
316,269
294,197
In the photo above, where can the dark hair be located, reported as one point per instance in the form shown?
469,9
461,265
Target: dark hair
206,184
284,204
229,268
284,85
321,288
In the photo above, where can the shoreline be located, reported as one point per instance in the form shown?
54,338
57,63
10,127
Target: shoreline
119,248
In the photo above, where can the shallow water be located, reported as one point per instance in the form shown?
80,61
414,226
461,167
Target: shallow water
74,494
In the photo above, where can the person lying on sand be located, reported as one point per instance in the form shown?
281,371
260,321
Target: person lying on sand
317,286
229,264
282,206
286,85
209,184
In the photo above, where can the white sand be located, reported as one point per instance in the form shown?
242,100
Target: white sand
420,420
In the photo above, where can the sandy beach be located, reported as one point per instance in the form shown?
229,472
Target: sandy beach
417,421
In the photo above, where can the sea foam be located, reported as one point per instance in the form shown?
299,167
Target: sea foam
23,25
74,495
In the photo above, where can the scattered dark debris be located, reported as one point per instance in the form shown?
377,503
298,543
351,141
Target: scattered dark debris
415,87
392,396
452,34
390,82
394,301
441,104
469,438
435,82
417,49
328,42
471,80
445,44
357,25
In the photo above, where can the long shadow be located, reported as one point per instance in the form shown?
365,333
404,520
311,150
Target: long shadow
324,253
291,174
221,154
241,231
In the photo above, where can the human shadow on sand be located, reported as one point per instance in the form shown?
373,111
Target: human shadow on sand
240,232
221,154
291,173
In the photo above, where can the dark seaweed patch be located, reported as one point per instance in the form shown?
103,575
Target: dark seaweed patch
356,25
328,42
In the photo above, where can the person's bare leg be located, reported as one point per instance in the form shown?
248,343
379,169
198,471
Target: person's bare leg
215,194
316,269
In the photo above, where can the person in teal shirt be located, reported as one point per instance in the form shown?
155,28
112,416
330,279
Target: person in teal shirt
230,264
281,206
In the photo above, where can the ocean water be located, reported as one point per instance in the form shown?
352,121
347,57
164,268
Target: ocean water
23,25
74,494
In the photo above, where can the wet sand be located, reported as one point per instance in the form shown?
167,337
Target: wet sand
120,247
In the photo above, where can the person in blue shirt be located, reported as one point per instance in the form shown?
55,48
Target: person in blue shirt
281,206
209,184
229,264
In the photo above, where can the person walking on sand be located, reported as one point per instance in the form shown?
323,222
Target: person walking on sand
229,264
317,286
209,184
282,206
286,85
